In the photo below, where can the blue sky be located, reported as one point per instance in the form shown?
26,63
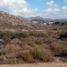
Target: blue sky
28,8
40,4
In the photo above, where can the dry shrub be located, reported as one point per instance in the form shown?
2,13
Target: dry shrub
63,59
25,55
47,56
60,49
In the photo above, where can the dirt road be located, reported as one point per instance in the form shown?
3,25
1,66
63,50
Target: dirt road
37,65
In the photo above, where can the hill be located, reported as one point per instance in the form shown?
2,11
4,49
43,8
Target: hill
9,21
22,41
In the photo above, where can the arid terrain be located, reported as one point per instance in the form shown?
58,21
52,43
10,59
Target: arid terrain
23,41
37,65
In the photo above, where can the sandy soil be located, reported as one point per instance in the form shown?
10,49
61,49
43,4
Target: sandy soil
37,65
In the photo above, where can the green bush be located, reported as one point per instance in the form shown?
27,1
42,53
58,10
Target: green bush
13,34
37,52
41,55
19,35
39,34
1,34
22,34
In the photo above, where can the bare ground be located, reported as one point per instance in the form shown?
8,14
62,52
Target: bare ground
37,65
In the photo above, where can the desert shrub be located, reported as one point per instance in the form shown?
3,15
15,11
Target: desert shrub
60,50
1,59
39,41
22,34
1,34
39,34
5,34
13,34
44,56
63,35
26,56
64,59
37,52
18,35
47,56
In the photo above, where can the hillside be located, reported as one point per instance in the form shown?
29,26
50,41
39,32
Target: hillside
9,21
25,42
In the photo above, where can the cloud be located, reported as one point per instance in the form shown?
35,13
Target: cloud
52,7
17,7
65,0
54,10
23,8
50,3
64,7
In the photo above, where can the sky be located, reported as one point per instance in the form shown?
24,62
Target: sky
30,8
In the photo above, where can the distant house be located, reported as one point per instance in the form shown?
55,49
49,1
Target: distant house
35,22
50,22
